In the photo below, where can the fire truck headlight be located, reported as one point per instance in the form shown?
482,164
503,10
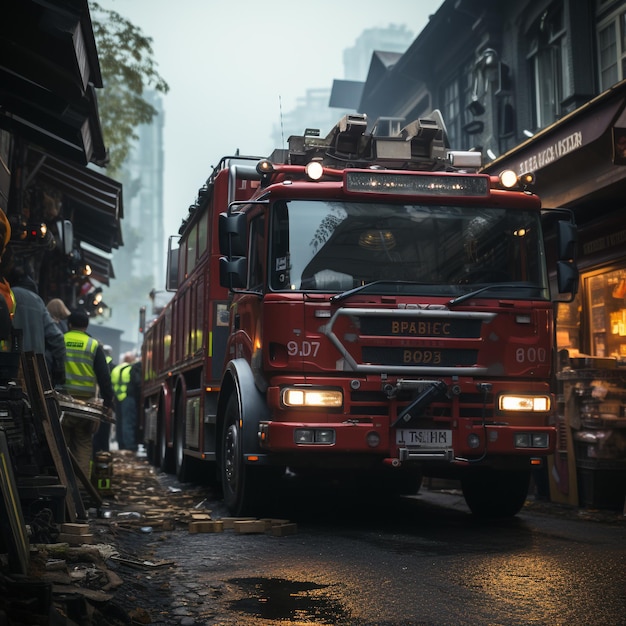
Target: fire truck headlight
310,436
298,397
373,439
532,440
538,404
473,441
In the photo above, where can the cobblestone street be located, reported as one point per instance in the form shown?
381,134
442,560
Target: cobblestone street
118,577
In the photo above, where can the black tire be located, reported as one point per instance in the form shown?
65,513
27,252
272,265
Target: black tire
495,494
246,488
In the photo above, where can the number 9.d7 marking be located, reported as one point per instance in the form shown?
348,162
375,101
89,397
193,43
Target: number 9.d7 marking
303,348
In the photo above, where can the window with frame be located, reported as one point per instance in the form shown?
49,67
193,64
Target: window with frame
547,56
612,49
451,111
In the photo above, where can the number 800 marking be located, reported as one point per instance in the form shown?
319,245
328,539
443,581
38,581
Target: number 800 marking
531,355
304,348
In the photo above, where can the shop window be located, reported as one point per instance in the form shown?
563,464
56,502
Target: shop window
594,324
612,49
606,303
568,336
548,67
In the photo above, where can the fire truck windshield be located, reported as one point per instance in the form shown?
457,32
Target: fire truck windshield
450,250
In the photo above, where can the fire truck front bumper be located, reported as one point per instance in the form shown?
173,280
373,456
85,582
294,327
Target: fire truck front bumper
343,437
468,441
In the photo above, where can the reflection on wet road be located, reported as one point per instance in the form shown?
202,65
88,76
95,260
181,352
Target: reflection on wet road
359,561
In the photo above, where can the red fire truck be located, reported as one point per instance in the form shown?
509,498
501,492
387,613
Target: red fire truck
365,304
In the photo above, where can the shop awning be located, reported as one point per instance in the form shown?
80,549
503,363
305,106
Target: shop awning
101,266
91,201
573,157
48,70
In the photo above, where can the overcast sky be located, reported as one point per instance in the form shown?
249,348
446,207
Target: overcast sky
231,65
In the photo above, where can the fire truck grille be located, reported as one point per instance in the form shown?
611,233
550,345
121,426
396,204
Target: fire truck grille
471,406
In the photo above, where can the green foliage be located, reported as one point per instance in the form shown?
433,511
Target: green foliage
127,65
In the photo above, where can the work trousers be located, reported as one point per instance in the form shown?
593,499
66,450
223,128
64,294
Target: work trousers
78,433
126,423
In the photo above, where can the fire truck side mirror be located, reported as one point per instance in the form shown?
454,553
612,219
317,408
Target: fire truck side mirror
233,272
566,270
567,277
567,240
233,234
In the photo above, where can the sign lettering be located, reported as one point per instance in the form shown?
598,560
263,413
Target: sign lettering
552,153
420,328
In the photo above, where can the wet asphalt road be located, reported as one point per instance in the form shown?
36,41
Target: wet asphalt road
419,561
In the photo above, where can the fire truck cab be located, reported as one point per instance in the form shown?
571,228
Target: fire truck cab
366,305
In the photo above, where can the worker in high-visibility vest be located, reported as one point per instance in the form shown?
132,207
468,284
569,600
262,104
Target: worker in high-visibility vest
86,376
125,378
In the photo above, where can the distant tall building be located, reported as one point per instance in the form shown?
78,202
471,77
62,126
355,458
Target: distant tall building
139,264
143,199
314,110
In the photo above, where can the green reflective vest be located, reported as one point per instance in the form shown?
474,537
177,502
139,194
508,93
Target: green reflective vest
80,376
120,377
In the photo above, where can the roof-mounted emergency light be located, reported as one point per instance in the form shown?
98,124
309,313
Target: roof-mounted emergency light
465,159
314,169
264,166
509,179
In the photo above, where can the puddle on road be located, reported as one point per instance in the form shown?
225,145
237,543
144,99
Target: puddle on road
280,599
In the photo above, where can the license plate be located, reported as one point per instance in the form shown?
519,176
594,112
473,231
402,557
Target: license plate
424,438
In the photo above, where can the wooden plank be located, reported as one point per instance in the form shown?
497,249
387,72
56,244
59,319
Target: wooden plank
87,484
282,530
45,407
11,518
75,529
208,526
250,526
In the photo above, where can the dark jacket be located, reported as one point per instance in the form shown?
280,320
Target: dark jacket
40,334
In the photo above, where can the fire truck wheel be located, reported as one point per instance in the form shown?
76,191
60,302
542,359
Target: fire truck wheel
492,494
241,484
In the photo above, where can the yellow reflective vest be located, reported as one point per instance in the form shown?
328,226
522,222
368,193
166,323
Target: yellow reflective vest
120,377
80,376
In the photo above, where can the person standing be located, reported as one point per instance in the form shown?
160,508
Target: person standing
59,313
40,334
86,375
125,377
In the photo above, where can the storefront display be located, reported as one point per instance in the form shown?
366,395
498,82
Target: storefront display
591,337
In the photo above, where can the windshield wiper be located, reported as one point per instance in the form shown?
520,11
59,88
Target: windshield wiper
350,292
475,292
